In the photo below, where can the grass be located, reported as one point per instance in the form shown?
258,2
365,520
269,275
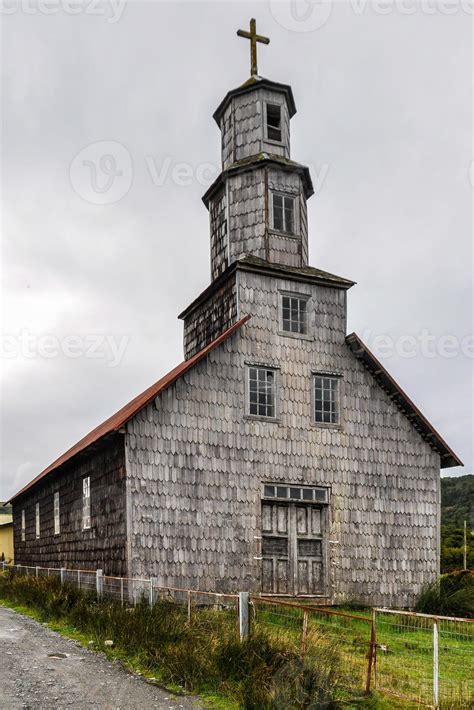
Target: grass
267,671
405,659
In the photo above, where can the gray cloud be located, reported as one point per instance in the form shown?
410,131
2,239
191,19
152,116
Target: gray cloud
383,102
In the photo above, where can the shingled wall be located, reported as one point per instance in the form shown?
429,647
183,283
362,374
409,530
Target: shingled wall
101,547
196,463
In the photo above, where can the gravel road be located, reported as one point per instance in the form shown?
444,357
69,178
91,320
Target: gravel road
41,670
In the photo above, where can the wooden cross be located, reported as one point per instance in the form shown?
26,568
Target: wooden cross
254,38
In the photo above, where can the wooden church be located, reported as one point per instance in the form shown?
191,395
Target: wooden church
280,456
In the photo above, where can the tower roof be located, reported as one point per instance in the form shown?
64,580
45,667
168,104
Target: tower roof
256,82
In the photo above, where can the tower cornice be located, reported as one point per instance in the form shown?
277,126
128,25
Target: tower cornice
256,82
255,162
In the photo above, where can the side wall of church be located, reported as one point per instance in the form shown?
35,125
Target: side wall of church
103,546
211,318
196,463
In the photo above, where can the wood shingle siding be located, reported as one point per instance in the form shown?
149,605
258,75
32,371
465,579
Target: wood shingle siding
104,544
197,464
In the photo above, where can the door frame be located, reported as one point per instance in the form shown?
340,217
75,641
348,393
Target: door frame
292,503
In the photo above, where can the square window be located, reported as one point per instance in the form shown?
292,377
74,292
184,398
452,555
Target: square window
326,399
269,491
282,492
307,494
284,213
294,314
274,122
261,392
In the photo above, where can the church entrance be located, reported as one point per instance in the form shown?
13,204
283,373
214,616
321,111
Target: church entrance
293,543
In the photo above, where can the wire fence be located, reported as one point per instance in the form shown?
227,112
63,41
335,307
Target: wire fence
323,637
424,659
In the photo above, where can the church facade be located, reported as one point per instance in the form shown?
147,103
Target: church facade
280,456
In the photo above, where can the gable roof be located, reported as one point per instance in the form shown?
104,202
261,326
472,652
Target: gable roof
403,401
117,420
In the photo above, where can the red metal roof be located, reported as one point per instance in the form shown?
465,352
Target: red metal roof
397,394
117,420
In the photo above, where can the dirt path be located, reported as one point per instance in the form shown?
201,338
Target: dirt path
31,677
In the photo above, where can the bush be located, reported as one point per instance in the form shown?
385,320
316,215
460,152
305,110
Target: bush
452,595
261,673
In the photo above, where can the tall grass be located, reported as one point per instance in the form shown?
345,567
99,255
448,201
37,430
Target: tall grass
451,595
260,673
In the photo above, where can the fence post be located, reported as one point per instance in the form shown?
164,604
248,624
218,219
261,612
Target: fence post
61,572
78,578
121,591
304,634
435,665
152,584
372,654
244,615
37,570
99,582
189,608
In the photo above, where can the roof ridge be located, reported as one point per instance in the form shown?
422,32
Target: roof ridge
125,413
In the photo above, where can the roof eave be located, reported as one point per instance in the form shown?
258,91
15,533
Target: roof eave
255,164
448,458
247,87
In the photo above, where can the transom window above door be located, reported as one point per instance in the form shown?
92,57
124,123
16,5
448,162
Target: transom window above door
294,314
305,494
283,213
262,392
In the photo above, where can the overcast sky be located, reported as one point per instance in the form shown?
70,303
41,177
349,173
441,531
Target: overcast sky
105,238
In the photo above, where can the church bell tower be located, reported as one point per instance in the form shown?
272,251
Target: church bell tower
257,205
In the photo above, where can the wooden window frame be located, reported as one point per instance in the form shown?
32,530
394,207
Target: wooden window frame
56,513
294,234
86,503
266,136
294,334
276,388
339,401
37,521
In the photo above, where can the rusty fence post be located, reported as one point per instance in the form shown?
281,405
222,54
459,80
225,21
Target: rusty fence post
372,655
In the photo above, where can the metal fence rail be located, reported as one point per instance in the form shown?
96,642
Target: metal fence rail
321,635
425,659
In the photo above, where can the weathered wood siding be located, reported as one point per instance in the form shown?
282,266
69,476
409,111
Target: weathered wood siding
104,545
219,237
243,130
211,318
196,463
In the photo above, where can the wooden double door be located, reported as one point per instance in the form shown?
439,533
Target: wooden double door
292,549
